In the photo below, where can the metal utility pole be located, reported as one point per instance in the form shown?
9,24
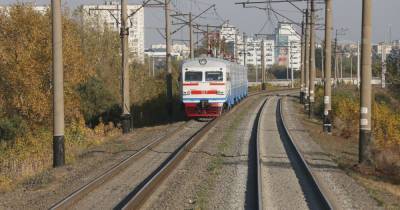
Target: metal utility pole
263,65
366,76
58,85
327,128
191,36
307,60
168,41
312,58
244,49
303,43
126,115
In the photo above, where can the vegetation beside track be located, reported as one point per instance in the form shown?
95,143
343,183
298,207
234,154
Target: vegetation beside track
92,89
385,121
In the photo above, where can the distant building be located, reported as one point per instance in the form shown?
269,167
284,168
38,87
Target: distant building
288,46
179,51
109,15
253,51
41,9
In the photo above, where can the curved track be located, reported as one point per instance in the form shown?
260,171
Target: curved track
285,180
144,189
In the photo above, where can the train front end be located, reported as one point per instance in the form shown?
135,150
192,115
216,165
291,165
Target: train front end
203,87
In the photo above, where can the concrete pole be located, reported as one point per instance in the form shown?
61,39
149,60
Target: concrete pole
312,59
58,85
302,70
168,41
191,36
208,41
322,63
244,49
263,87
383,77
336,59
255,53
236,48
327,128
351,69
358,65
341,67
366,76
126,115
307,61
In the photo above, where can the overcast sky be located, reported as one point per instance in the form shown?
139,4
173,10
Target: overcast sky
347,14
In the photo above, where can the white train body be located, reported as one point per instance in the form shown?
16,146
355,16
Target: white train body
208,85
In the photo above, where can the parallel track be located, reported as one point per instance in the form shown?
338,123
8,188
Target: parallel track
321,200
77,195
147,186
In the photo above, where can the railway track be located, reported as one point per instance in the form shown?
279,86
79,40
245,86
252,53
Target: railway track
285,181
143,190
77,195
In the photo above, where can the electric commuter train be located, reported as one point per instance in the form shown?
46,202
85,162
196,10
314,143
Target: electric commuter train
210,85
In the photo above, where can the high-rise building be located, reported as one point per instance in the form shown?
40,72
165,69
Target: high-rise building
253,51
109,15
288,46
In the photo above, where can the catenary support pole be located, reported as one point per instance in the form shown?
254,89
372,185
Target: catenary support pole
383,76
303,42
312,59
263,73
307,60
191,36
327,128
358,65
168,41
124,33
58,85
244,49
336,59
366,76
236,47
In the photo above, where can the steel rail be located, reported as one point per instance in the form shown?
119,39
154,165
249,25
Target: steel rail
258,152
77,195
317,189
143,191
80,193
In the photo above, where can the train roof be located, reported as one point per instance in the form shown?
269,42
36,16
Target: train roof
207,61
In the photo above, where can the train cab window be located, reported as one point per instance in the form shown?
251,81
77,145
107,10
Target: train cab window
193,76
214,76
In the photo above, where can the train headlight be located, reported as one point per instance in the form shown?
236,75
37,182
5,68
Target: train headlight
219,92
185,93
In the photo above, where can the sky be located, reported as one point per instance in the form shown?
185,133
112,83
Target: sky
347,15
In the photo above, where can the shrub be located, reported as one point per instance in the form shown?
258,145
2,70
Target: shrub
10,128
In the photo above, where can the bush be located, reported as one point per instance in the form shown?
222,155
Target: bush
10,128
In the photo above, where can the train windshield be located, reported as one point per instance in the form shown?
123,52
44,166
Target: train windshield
193,76
214,76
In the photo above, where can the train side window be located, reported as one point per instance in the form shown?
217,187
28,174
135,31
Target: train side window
214,76
193,76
